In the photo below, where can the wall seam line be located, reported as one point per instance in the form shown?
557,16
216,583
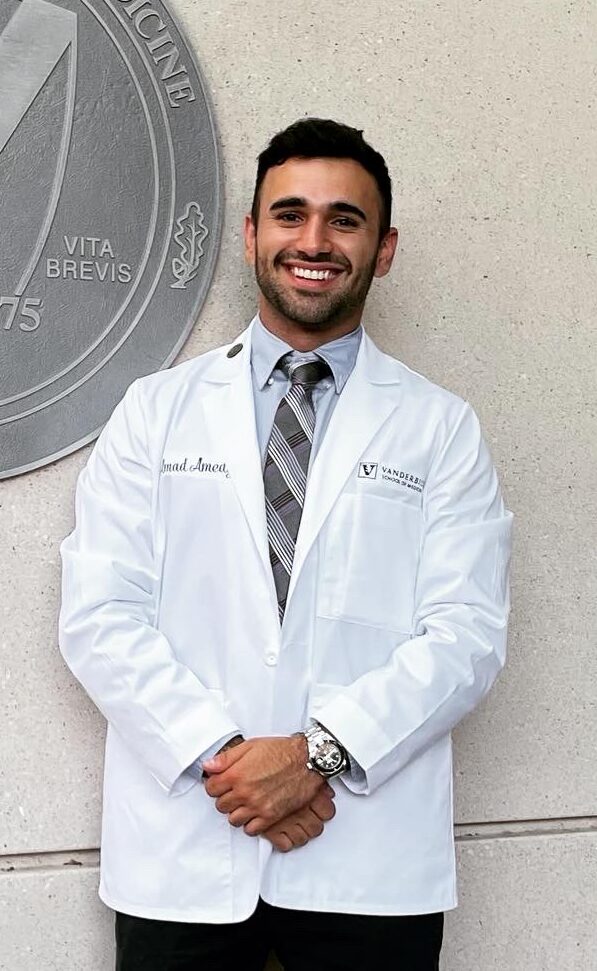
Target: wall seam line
77,859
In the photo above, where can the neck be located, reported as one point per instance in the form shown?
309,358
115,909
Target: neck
300,337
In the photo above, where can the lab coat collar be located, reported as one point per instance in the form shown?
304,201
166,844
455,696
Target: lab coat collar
231,361
378,368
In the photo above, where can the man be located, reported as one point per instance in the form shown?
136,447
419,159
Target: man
291,551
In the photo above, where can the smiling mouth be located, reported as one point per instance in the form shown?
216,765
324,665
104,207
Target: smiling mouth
303,273
312,278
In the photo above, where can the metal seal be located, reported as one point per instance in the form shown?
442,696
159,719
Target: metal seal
110,212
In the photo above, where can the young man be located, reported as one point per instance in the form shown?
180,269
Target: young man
291,551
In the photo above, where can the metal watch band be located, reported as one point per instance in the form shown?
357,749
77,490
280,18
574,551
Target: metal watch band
326,755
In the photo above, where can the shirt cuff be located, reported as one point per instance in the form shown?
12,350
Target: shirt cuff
355,778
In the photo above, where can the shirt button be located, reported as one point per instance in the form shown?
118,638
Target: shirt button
270,381
271,660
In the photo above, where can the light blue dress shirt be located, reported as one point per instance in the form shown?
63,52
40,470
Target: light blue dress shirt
270,384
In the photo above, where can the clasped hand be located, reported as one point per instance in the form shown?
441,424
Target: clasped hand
264,785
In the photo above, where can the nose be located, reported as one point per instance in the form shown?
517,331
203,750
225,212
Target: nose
313,236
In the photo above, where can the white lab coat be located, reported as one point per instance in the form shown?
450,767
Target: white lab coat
395,628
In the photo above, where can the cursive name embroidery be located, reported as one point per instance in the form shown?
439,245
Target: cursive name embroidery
201,466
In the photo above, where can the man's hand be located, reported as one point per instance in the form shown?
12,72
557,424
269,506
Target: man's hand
305,824
261,781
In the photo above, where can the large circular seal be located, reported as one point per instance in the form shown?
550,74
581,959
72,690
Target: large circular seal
110,213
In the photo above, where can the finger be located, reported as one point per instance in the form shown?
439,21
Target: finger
217,785
281,841
323,807
326,812
327,792
257,825
228,802
308,820
223,761
297,834
311,823
240,816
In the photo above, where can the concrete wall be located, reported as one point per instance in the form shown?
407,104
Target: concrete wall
485,112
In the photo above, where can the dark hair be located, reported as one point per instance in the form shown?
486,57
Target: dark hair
323,138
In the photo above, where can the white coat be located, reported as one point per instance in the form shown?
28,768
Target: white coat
395,628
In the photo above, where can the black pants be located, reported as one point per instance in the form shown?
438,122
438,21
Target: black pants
302,941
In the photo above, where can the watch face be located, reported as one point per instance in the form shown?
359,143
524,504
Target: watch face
328,757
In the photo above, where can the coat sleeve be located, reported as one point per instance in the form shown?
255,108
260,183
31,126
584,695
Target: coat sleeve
107,626
391,714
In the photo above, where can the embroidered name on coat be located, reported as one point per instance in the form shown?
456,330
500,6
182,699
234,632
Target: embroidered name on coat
200,465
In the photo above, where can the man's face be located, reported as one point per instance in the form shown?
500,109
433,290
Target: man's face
316,246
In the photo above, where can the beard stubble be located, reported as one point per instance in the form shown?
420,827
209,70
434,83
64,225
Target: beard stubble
312,311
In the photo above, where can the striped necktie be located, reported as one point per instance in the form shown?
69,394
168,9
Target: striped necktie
286,466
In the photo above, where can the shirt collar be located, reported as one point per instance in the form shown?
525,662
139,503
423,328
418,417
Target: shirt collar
339,354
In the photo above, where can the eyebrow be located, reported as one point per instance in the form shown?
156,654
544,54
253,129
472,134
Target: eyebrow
298,202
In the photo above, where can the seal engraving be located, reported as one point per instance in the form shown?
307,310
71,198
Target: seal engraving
190,235
110,213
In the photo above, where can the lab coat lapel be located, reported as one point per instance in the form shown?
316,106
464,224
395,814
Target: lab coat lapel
230,413
368,399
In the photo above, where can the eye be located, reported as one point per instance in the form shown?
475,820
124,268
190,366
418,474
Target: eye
288,217
345,222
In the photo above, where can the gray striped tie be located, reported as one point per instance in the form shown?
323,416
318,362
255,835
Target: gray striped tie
286,466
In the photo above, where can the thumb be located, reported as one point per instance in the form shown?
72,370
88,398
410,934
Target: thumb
224,759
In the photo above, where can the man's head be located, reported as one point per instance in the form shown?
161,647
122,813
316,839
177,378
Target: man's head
319,229
322,138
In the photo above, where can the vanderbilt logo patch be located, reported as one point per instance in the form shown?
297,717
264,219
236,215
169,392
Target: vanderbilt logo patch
368,470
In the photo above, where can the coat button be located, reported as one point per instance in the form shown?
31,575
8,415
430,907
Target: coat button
271,660
235,350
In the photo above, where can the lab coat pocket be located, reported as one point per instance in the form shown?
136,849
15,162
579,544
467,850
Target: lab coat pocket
369,562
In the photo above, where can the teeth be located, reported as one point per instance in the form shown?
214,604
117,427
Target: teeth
311,274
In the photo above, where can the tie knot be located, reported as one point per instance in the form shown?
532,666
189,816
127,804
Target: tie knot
304,372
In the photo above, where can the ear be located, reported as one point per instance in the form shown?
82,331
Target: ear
250,233
386,251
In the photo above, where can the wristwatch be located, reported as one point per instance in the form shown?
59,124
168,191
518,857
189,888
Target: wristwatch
326,755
